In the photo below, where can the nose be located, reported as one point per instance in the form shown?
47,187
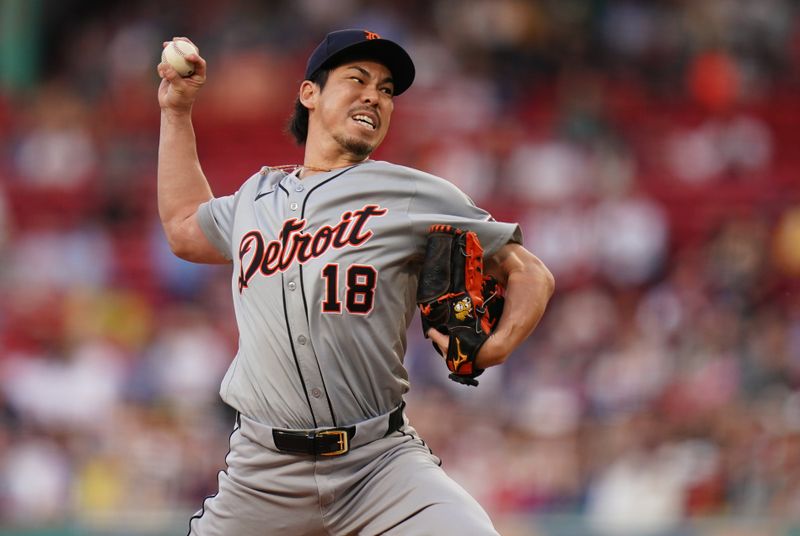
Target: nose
370,95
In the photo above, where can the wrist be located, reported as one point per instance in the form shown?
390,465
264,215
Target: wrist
176,114
493,352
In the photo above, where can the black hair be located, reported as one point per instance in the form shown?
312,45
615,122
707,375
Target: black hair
298,122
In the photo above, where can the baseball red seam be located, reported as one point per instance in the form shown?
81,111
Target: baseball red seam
178,49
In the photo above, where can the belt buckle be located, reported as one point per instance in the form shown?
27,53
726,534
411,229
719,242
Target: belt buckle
343,441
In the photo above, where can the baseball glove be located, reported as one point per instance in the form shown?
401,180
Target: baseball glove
457,299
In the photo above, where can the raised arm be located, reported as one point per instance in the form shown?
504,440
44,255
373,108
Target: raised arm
528,288
182,186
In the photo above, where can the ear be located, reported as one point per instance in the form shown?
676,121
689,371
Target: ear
308,94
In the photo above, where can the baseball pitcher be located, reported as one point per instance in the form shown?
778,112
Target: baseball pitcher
330,259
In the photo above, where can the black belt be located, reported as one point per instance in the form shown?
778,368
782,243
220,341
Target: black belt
329,442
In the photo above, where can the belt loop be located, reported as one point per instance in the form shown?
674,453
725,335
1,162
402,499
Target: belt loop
395,419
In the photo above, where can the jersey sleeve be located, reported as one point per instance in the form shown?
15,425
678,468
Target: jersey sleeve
215,218
437,201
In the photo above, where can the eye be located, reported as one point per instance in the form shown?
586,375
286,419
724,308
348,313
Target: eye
357,79
388,90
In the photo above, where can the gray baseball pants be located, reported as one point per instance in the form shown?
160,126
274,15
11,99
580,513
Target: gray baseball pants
389,485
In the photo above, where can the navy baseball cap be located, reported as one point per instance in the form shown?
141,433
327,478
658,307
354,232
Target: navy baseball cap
363,44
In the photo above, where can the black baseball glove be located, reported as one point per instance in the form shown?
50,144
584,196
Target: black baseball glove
457,299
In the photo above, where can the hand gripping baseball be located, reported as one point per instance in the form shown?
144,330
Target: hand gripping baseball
177,93
456,299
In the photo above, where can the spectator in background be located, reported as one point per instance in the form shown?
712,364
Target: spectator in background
648,147
57,149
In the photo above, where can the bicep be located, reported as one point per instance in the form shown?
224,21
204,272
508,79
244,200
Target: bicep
512,258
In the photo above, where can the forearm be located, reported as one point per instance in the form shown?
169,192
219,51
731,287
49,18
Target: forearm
528,288
182,186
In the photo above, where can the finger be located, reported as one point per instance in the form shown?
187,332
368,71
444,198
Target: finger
165,69
199,64
162,69
168,72
439,339
187,40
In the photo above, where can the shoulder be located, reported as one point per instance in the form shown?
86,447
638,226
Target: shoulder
263,181
421,179
269,176
398,169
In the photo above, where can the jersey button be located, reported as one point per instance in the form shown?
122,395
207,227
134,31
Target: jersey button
293,206
302,339
316,393
299,188
292,285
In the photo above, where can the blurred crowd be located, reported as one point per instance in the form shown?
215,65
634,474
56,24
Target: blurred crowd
646,148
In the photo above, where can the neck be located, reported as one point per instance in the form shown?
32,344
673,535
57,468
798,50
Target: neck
323,153
313,164
307,170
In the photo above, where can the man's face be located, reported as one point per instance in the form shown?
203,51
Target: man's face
354,107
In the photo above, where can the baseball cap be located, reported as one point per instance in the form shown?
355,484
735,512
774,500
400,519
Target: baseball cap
366,45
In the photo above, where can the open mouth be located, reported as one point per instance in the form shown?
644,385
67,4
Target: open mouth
366,120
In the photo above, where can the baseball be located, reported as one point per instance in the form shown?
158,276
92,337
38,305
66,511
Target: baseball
175,54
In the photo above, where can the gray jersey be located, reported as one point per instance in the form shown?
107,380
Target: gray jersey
324,283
